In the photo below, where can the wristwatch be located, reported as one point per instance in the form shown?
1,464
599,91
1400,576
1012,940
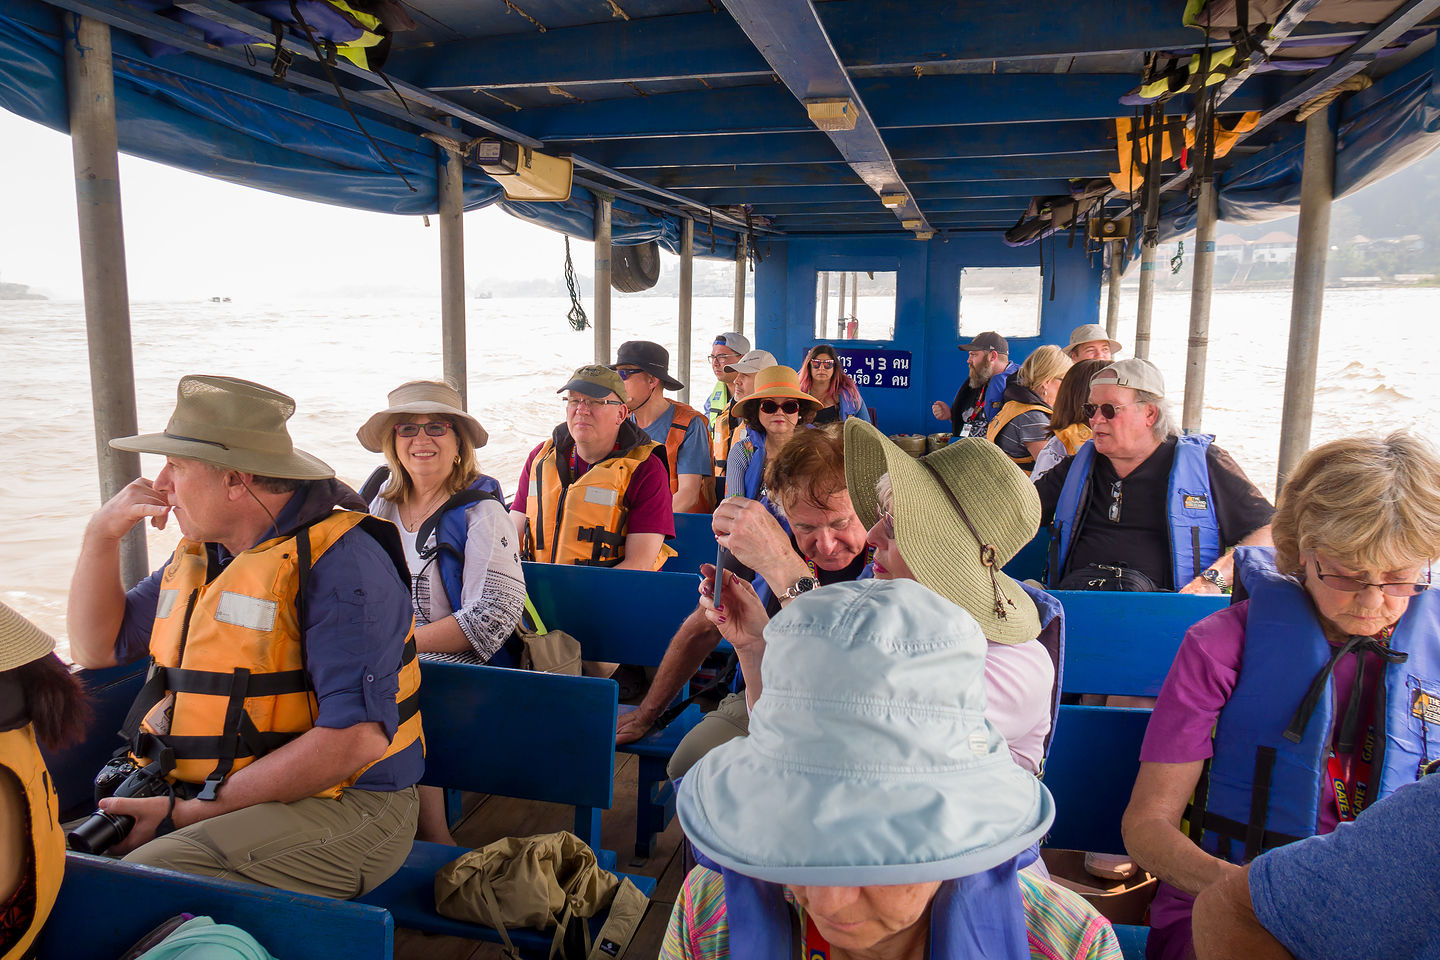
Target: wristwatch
1214,576
803,585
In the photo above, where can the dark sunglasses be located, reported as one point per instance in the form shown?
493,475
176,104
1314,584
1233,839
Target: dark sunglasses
1117,497
435,428
787,406
1354,585
627,372
822,364
1106,410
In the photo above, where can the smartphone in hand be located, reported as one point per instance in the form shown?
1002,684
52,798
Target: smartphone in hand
721,554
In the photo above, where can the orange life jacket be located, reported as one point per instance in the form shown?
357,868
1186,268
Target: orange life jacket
684,416
1010,411
45,842
227,679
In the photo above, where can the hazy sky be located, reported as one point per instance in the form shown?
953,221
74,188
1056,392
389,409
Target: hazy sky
190,236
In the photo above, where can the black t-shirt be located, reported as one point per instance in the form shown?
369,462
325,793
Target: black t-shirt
830,414
1139,539
966,399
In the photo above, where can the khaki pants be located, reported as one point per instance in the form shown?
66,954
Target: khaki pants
336,848
726,722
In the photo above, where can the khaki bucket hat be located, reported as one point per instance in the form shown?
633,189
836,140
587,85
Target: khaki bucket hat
231,423
420,397
1090,332
21,642
960,514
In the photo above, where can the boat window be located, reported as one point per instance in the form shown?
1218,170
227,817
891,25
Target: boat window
1004,299
855,305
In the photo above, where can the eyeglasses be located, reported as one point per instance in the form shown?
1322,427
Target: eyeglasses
1106,410
572,403
1354,585
724,357
787,406
885,520
1117,497
627,372
822,364
435,428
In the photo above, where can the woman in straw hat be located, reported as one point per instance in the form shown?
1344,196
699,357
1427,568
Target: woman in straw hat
873,811
39,700
825,379
466,580
940,519
772,412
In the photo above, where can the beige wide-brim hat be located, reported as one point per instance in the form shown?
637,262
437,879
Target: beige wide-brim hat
1090,332
934,539
21,642
420,397
775,383
231,423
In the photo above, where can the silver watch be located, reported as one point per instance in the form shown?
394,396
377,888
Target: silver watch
803,585
1214,576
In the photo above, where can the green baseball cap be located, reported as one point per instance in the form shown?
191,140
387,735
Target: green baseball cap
595,381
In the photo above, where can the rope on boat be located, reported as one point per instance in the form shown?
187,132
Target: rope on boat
576,316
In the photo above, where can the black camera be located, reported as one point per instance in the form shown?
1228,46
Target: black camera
121,777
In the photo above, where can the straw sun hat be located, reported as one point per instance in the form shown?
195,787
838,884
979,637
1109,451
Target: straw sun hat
231,423
960,514
775,383
420,397
21,642
869,759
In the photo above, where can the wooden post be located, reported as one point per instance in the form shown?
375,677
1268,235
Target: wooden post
854,296
742,257
1117,274
451,177
687,290
602,279
90,85
1149,235
1201,283
1317,190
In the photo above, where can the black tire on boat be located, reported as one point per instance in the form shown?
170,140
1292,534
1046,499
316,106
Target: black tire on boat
636,267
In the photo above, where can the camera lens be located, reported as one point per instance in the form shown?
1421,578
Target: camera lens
99,832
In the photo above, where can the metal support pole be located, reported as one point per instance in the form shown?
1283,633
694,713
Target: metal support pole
742,258
602,279
451,177
90,84
1117,274
1149,234
687,291
824,302
854,296
1202,281
840,300
1317,190
1146,301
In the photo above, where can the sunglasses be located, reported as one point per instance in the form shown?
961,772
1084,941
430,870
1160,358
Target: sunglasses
1117,497
1353,585
787,406
1106,410
435,428
627,372
822,364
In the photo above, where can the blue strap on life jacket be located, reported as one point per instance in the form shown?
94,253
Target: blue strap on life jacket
1193,527
755,469
980,917
1266,781
995,392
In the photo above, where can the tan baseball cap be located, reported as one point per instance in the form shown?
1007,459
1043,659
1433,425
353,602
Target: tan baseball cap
1134,373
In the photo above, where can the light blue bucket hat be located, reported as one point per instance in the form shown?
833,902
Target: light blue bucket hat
869,759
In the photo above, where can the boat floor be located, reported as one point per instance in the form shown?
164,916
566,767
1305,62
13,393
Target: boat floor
488,818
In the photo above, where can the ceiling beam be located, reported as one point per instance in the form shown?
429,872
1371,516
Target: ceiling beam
761,196
1088,164
866,36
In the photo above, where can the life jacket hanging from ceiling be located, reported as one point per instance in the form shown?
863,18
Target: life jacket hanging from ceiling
1134,155
359,31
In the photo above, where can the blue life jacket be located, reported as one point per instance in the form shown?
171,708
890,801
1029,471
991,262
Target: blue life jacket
1264,786
755,469
1193,525
451,526
994,397
980,917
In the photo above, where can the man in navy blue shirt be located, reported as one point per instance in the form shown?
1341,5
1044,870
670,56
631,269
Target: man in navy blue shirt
1369,889
282,702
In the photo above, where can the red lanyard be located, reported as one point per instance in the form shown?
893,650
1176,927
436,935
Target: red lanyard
815,946
869,559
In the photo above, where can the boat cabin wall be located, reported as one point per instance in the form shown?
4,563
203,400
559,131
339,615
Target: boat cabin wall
927,305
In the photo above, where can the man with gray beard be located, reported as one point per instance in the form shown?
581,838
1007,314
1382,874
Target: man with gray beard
982,395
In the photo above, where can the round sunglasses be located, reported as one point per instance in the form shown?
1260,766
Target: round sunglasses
1106,410
787,406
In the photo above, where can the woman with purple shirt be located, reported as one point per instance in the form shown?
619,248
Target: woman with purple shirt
1338,623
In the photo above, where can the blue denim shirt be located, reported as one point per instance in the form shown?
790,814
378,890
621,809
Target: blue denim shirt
359,614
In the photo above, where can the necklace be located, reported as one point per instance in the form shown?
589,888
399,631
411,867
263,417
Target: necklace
417,516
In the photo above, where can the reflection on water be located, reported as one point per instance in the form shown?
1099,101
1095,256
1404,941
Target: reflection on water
338,359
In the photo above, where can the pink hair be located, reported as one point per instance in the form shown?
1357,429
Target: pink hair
839,383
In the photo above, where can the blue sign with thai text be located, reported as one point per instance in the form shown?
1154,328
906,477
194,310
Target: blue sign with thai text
883,369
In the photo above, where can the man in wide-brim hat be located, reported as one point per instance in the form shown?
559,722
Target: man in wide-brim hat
681,429
285,719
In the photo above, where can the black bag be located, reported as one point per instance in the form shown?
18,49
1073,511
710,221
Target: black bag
1105,576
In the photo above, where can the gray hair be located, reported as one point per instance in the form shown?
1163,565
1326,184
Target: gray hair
1164,426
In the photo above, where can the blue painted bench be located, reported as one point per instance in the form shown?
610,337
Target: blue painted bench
694,543
625,616
1123,643
1029,563
533,736
106,906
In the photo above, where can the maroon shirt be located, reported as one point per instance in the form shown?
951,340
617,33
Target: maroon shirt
648,501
